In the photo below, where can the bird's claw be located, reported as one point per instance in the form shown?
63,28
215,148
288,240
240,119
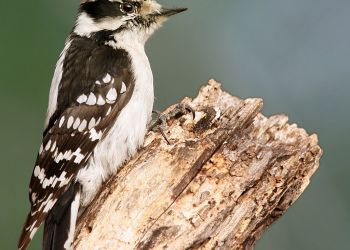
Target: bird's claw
161,121
182,109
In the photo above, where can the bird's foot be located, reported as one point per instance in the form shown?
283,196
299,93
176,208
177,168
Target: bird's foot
160,123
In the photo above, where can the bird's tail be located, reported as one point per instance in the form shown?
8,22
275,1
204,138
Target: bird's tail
29,229
60,224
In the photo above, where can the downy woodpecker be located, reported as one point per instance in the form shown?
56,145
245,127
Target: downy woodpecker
100,103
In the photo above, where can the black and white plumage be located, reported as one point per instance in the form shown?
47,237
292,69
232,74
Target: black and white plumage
101,99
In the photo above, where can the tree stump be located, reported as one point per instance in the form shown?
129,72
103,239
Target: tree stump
224,178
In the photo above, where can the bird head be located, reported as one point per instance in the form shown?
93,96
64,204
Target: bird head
134,18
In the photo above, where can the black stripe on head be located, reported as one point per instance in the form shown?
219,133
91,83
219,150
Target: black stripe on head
101,8
103,36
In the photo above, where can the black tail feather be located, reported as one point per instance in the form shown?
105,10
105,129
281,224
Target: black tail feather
60,224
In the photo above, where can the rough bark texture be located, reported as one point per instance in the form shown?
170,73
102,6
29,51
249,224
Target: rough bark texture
226,176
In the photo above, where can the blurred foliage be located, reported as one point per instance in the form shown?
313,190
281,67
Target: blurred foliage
294,54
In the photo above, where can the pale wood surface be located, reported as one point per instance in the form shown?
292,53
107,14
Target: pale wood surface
226,176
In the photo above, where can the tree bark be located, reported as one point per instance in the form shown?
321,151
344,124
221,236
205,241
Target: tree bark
226,176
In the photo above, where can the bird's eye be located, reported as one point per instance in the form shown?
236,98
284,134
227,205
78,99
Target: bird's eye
127,7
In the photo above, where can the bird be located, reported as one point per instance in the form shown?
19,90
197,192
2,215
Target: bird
100,104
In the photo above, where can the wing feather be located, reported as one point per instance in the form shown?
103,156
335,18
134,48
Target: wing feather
89,101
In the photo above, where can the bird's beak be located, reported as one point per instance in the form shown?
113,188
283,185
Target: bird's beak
169,12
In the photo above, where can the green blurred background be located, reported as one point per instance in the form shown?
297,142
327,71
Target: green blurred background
293,53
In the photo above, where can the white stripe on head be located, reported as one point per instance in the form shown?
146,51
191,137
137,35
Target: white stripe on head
85,25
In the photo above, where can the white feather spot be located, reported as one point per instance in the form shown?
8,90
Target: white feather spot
67,155
56,153
43,204
76,123
32,213
62,179
34,197
49,205
98,83
98,121
59,157
94,135
123,90
82,126
32,226
39,173
91,100
54,183
48,182
109,111
48,145
92,123
101,101
41,149
61,121
36,171
78,156
53,146
82,99
107,78
32,232
111,95
70,122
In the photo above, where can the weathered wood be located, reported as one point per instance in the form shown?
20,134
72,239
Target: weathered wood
226,176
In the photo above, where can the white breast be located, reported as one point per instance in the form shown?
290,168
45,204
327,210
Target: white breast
128,132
